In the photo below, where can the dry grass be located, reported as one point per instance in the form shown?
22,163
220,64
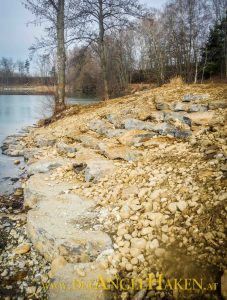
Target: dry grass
176,81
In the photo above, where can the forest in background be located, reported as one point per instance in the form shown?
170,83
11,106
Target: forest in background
187,38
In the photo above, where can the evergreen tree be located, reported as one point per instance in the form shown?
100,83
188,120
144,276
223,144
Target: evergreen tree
215,51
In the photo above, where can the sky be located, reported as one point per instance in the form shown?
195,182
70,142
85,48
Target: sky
16,36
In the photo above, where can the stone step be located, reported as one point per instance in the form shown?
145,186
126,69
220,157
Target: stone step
62,223
38,189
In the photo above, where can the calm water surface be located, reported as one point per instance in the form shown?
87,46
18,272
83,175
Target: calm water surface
16,112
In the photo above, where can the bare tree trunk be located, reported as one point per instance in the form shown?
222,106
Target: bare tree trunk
196,71
104,71
103,53
204,66
61,58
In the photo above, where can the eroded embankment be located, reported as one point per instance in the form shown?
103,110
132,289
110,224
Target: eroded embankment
134,187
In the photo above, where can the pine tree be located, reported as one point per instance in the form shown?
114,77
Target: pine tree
215,51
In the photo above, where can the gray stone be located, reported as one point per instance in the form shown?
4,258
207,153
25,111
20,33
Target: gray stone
179,106
45,142
58,227
44,166
162,106
96,169
173,116
198,107
38,189
140,295
182,134
120,152
189,98
64,148
135,136
88,141
100,126
115,120
137,124
218,104
115,133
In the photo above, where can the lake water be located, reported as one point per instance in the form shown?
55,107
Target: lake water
16,112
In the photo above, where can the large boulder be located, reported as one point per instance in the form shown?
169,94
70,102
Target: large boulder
138,124
198,107
63,225
119,152
179,106
63,148
135,136
189,98
37,189
218,104
42,141
162,106
100,126
88,141
174,118
96,169
112,133
45,165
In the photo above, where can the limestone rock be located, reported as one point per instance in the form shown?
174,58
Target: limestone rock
88,141
153,244
58,263
182,205
44,166
218,104
96,169
119,152
64,148
22,249
139,243
189,98
198,107
177,118
140,295
172,207
135,136
156,218
162,106
56,228
137,124
114,133
37,189
179,106
45,142
100,126
202,118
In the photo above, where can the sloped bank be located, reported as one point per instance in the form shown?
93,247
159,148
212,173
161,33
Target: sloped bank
132,188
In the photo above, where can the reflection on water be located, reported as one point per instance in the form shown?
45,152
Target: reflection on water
18,111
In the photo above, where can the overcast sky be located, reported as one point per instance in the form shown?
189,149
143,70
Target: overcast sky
16,36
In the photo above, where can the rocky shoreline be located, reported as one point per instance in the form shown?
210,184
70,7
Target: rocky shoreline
132,188
24,272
